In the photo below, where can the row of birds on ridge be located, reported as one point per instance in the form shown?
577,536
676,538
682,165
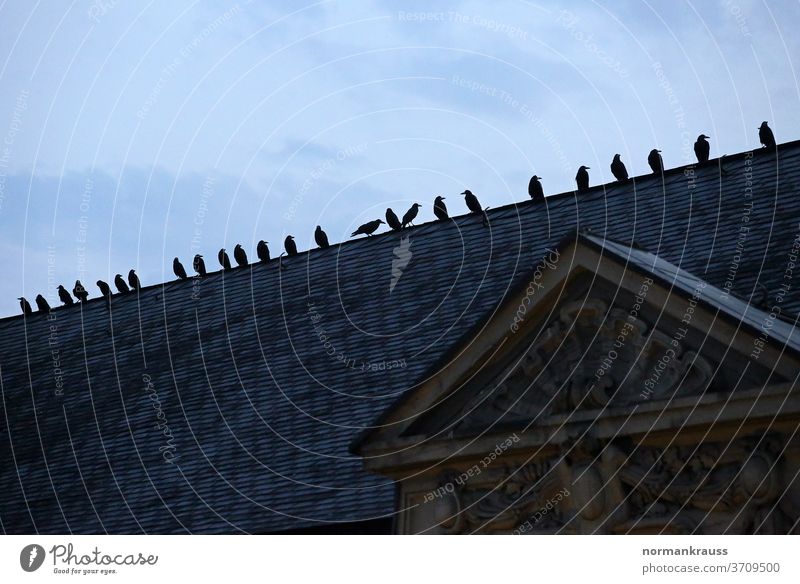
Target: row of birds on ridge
535,191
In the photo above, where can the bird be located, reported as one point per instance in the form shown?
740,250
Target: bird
199,265
440,209
64,296
262,251
133,280
766,136
368,228
25,306
80,292
411,214
472,202
119,282
321,238
618,169
582,178
105,289
535,190
179,270
224,260
702,148
240,255
655,161
290,246
42,304
392,220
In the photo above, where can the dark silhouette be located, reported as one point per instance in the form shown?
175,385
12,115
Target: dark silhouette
42,304
64,296
25,306
582,178
133,280
472,202
440,209
655,161
240,255
224,260
199,265
392,220
368,228
702,148
766,136
262,251
535,190
321,238
177,267
618,169
80,292
119,282
290,245
411,214
105,289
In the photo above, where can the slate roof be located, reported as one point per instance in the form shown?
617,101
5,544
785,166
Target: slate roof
260,415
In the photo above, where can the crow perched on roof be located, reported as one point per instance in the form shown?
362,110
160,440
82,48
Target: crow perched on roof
535,190
199,265
262,251
64,296
440,209
119,282
42,304
240,255
105,289
472,202
224,260
25,306
655,161
321,238
290,246
618,169
392,220
411,214
80,292
177,267
133,280
368,228
582,178
702,148
765,136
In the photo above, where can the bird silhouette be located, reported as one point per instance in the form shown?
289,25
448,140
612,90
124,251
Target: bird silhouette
392,220
133,280
440,209
80,292
42,304
582,178
766,136
224,260
702,148
618,169
64,296
262,251
179,270
25,306
408,218
240,255
321,238
199,265
472,202
368,228
119,282
655,161
105,289
535,190
290,246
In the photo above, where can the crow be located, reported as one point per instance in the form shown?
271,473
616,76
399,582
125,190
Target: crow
321,238
224,260
42,304
392,220
655,161
64,296
119,282
25,306
105,289
766,136
582,178
177,267
440,209
411,214
618,169
262,251
368,228
702,148
240,256
290,246
133,280
80,292
535,190
199,265
472,202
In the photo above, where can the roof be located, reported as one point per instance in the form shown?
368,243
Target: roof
255,407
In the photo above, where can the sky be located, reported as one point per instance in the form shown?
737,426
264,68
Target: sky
132,132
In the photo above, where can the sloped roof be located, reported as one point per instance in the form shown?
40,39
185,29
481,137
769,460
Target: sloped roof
260,414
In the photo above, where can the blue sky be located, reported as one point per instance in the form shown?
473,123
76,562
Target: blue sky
132,132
